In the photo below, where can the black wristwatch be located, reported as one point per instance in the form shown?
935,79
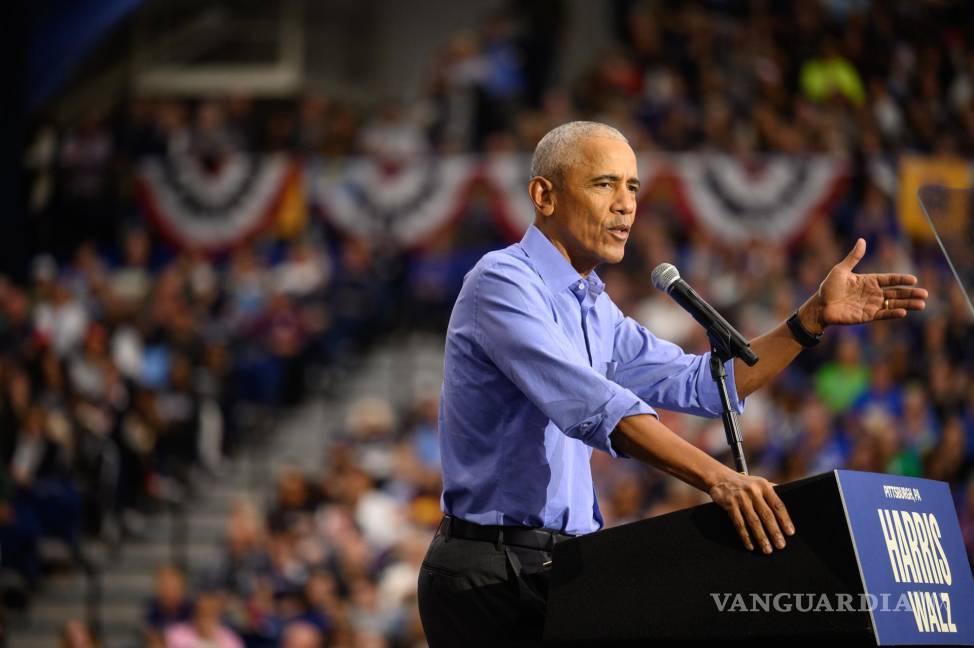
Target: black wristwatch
800,333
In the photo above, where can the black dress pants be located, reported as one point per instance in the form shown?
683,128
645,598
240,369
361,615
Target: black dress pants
474,592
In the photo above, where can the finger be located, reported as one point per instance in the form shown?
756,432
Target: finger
906,304
896,279
740,526
784,520
754,524
855,255
897,313
770,522
905,293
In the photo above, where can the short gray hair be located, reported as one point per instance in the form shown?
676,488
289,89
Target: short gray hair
558,148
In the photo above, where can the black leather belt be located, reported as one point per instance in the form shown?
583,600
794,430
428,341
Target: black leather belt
543,539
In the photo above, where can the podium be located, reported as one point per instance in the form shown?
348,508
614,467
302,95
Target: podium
686,576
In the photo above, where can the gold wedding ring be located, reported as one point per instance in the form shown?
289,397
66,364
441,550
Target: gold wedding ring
886,304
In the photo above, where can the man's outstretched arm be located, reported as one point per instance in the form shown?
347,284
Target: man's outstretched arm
843,298
755,509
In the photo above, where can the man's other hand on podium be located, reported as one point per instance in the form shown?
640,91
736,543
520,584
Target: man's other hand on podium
755,509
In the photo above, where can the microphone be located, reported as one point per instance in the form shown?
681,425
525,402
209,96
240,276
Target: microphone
724,336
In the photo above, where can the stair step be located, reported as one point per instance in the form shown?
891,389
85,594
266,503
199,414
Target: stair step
158,552
131,581
49,635
75,589
57,612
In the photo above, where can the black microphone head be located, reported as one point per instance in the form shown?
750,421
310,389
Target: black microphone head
664,275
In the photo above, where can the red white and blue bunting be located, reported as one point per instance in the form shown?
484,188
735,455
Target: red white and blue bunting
398,204
770,199
212,208
507,177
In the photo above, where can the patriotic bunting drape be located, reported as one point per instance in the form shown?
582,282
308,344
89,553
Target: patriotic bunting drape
769,199
367,198
213,208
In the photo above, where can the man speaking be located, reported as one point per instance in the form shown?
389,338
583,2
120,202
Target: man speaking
541,367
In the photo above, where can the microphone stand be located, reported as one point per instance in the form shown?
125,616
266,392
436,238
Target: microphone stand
719,354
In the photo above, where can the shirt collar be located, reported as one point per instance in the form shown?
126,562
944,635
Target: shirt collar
554,268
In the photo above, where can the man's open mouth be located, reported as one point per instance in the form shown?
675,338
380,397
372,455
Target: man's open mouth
620,231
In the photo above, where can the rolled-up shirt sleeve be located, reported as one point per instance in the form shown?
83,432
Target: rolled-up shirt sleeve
661,373
516,328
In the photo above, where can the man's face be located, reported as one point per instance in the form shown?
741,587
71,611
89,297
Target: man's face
595,202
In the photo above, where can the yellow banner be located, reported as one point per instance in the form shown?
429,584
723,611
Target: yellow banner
915,172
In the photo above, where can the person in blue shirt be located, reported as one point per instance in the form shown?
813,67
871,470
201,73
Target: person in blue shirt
541,367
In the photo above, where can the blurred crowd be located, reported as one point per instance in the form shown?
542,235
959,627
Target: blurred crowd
331,558
124,381
127,368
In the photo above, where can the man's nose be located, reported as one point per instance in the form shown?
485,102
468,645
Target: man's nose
625,203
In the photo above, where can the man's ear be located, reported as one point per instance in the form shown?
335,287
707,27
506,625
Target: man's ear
541,191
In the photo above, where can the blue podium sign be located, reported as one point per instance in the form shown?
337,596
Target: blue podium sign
914,568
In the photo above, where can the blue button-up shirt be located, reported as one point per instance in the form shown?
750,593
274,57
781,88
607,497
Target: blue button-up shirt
540,367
